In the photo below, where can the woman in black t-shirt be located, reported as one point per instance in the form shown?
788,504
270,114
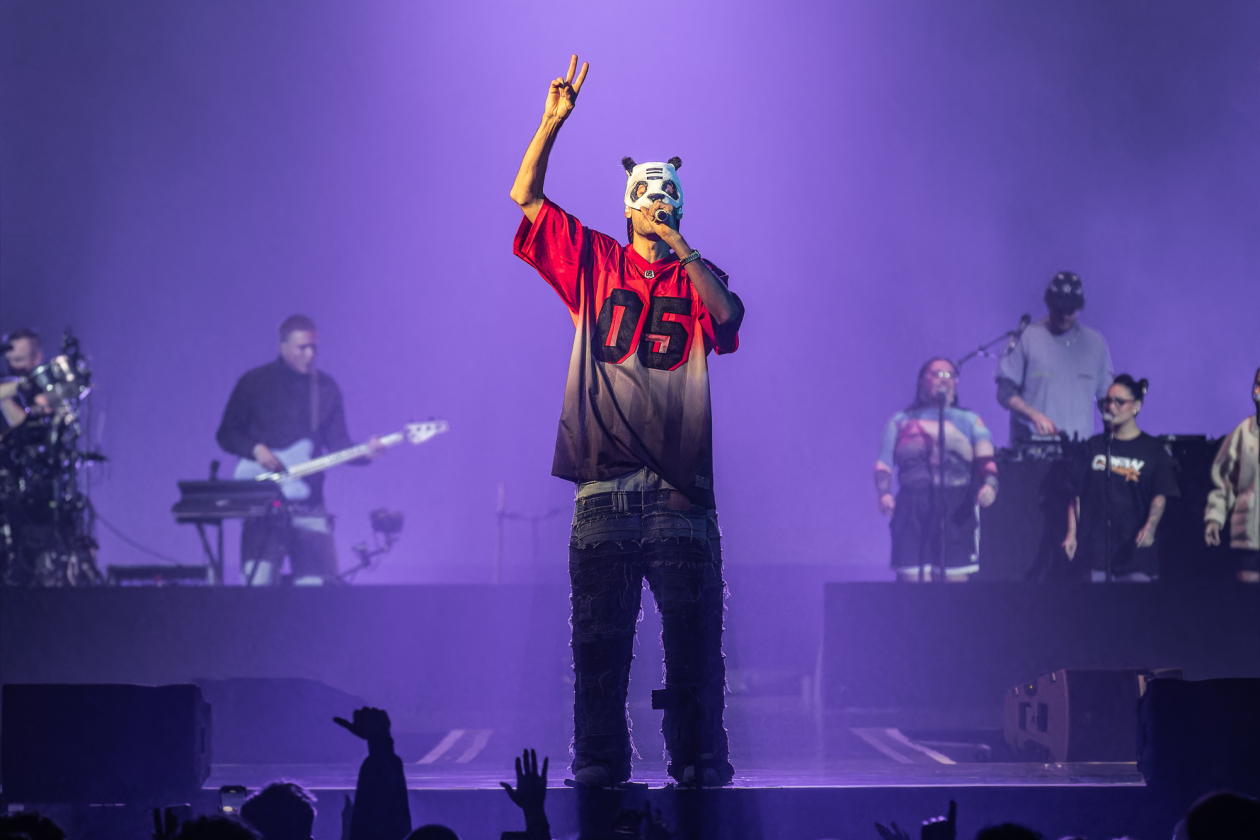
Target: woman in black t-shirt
1122,482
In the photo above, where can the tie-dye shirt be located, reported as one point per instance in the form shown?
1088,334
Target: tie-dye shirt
637,393
910,443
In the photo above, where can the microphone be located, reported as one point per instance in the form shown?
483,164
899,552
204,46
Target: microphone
1024,321
663,216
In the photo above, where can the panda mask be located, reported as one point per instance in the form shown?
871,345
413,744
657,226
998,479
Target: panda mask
647,183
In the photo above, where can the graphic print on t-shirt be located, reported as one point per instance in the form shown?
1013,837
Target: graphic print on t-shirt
1129,468
1141,469
663,339
910,443
618,326
669,340
637,392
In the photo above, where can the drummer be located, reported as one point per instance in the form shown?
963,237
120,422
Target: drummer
23,352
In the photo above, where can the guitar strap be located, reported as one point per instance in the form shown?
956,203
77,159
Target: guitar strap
314,404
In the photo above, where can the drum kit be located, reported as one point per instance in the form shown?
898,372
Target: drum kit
45,528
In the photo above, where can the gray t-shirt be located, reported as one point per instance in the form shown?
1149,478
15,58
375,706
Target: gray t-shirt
1062,376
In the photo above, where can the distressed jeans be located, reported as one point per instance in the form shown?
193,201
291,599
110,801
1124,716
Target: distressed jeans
618,540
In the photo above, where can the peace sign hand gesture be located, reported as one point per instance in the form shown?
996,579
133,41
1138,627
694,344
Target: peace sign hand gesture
563,93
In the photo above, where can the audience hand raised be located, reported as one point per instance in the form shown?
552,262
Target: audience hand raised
531,786
941,828
892,831
369,724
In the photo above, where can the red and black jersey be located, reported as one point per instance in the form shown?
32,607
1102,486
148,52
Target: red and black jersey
638,387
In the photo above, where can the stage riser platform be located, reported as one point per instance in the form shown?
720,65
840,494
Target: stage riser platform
417,651
956,646
484,657
437,657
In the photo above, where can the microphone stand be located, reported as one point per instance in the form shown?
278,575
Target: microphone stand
1107,496
983,349
940,494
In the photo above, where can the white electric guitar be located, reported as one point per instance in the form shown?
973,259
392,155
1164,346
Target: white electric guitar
298,462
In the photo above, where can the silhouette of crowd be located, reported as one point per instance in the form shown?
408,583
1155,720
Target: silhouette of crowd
379,810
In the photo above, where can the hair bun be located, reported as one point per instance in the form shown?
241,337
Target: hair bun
1137,387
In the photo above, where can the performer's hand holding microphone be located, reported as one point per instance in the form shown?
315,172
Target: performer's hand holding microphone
662,214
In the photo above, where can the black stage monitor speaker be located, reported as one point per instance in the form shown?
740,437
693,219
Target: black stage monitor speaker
114,744
1079,714
1201,736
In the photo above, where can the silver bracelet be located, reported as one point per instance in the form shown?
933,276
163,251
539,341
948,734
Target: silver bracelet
692,257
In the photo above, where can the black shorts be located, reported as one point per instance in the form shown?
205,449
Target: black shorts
916,529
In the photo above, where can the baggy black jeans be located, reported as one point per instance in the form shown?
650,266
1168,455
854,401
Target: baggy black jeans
619,539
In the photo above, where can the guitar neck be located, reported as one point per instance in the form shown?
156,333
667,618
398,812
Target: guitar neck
332,459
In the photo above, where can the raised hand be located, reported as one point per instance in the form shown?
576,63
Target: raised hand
531,786
941,828
563,93
891,832
369,724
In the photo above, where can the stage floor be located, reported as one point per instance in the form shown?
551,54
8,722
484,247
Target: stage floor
854,774
803,802
784,788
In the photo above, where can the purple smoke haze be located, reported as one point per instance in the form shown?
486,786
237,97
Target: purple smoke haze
883,182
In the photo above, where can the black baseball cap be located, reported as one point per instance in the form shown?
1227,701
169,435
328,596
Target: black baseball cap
1065,292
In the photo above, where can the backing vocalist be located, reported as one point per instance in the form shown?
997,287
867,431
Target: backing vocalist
1122,483
910,443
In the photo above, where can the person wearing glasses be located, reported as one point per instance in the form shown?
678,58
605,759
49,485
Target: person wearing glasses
1235,495
911,443
1122,484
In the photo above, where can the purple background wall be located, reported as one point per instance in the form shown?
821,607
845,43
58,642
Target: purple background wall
882,181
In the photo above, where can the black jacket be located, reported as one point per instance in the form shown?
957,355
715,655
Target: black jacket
271,404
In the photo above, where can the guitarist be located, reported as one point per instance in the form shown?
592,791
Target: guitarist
271,408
